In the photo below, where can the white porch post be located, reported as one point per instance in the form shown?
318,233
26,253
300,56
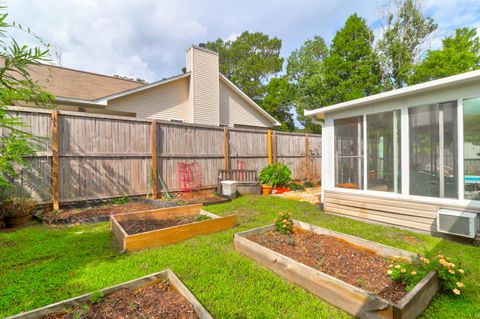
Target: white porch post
461,168
405,144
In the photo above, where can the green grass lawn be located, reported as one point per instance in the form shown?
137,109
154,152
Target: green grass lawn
41,264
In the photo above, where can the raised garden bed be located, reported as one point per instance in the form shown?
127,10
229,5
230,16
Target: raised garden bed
92,214
160,295
346,271
164,226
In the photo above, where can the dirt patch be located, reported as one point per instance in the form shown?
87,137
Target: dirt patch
336,257
92,214
144,225
154,301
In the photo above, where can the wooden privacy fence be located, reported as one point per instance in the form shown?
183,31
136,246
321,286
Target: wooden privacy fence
84,156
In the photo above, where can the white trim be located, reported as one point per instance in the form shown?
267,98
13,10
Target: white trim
405,150
78,102
249,100
365,152
103,100
460,145
403,92
441,150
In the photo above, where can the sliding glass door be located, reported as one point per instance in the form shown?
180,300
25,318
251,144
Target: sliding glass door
384,152
433,150
471,148
349,152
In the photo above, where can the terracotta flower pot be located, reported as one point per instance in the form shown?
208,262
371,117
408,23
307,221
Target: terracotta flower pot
17,220
267,189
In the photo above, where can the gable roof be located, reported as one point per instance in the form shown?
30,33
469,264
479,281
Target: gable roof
398,93
249,100
142,88
77,84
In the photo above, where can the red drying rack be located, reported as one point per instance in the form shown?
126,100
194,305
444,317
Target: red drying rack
190,179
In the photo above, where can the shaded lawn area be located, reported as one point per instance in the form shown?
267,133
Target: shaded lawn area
42,264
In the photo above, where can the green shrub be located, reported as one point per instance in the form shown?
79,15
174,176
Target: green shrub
308,184
295,187
410,273
275,174
121,200
283,223
18,206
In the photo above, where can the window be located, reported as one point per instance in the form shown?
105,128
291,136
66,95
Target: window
383,148
433,150
349,152
471,147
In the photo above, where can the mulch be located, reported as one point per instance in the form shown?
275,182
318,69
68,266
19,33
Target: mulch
338,258
154,301
92,214
144,225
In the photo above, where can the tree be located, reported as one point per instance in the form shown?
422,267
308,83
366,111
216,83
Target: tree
459,53
249,61
277,101
305,71
352,69
16,85
406,32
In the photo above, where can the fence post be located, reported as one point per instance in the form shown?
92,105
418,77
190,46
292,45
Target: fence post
269,146
55,161
154,159
306,146
274,146
226,148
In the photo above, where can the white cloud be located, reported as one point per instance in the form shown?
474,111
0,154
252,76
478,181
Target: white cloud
148,38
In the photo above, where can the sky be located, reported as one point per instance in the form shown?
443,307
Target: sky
148,38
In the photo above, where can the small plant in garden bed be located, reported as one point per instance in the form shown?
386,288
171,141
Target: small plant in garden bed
410,273
283,224
308,184
199,218
296,187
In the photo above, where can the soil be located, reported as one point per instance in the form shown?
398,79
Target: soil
154,301
338,258
311,195
92,214
144,225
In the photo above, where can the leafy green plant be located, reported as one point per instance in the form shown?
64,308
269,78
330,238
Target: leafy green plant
16,85
283,223
96,297
295,187
199,218
308,184
18,206
410,273
275,174
121,200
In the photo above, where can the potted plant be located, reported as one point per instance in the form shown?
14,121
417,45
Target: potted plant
18,210
274,175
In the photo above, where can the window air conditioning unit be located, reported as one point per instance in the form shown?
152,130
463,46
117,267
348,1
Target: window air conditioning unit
458,223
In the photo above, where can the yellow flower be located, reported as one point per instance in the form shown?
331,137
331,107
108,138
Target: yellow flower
414,272
451,271
460,284
442,261
397,266
390,266
281,214
403,270
275,220
460,271
389,272
440,256
456,291
425,260
452,265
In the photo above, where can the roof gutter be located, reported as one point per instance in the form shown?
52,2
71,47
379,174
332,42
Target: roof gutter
78,102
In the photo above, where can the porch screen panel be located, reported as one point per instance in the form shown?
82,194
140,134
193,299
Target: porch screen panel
471,147
384,157
349,152
433,150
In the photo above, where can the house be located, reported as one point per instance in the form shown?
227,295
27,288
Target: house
399,157
201,95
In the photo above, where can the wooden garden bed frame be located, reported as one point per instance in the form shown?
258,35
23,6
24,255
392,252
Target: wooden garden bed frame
152,279
354,300
169,235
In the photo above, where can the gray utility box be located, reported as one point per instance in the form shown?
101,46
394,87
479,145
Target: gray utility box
458,223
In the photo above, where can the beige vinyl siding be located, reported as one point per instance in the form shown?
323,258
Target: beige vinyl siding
235,110
205,87
163,102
